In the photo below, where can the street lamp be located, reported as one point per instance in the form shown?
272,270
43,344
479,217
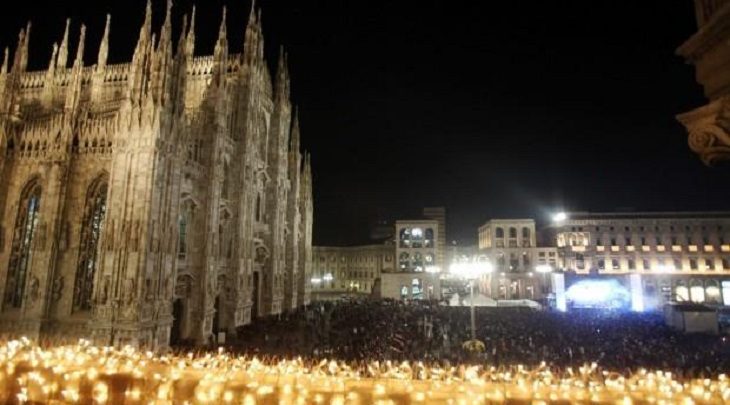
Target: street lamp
544,269
560,217
471,270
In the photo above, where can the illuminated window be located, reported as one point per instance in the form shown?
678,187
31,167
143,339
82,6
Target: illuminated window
404,292
418,262
21,248
614,264
416,289
681,293
709,264
712,292
404,261
601,264
91,229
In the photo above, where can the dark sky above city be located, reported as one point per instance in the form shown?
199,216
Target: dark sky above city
491,109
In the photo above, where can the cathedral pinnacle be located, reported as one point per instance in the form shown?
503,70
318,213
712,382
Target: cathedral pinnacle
63,49
104,47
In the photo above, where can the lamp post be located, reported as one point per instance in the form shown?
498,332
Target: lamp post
471,271
316,281
544,269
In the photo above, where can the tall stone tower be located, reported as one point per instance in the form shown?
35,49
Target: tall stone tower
161,199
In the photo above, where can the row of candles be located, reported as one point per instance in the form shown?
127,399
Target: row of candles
84,373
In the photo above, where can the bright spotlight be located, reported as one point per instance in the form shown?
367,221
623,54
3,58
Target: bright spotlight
560,217
328,277
316,280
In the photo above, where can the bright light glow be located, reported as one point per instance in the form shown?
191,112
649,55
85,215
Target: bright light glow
665,267
543,268
219,377
316,280
470,270
417,232
433,269
598,293
328,277
637,294
560,216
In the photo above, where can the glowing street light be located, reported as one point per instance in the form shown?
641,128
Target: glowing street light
471,270
544,269
327,277
560,217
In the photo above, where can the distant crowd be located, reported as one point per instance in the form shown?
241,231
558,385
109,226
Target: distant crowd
360,331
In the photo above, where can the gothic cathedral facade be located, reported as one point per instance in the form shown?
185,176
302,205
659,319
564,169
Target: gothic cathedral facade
157,200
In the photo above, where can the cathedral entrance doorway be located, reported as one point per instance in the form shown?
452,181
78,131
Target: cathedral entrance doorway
217,317
177,315
255,295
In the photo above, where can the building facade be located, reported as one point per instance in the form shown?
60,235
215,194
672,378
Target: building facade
681,256
352,270
709,125
419,261
164,198
510,245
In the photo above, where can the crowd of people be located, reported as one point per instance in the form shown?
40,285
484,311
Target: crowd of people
361,331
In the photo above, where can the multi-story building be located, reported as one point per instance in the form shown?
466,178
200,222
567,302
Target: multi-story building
510,246
681,256
707,50
164,197
418,261
352,270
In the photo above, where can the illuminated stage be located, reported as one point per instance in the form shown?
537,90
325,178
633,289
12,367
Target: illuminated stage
87,374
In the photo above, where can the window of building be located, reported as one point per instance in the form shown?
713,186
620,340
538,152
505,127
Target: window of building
693,264
403,292
632,264
613,241
416,290
626,228
643,241
499,233
91,228
601,264
705,240
674,240
611,228
658,241
512,232
21,249
709,264
614,264
677,264
726,264
645,264
404,261
627,241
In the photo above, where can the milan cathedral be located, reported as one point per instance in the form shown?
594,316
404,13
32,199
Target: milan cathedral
160,200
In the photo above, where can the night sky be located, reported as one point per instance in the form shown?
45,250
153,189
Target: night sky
491,109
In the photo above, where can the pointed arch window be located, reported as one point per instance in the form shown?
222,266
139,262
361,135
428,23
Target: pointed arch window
26,223
91,229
